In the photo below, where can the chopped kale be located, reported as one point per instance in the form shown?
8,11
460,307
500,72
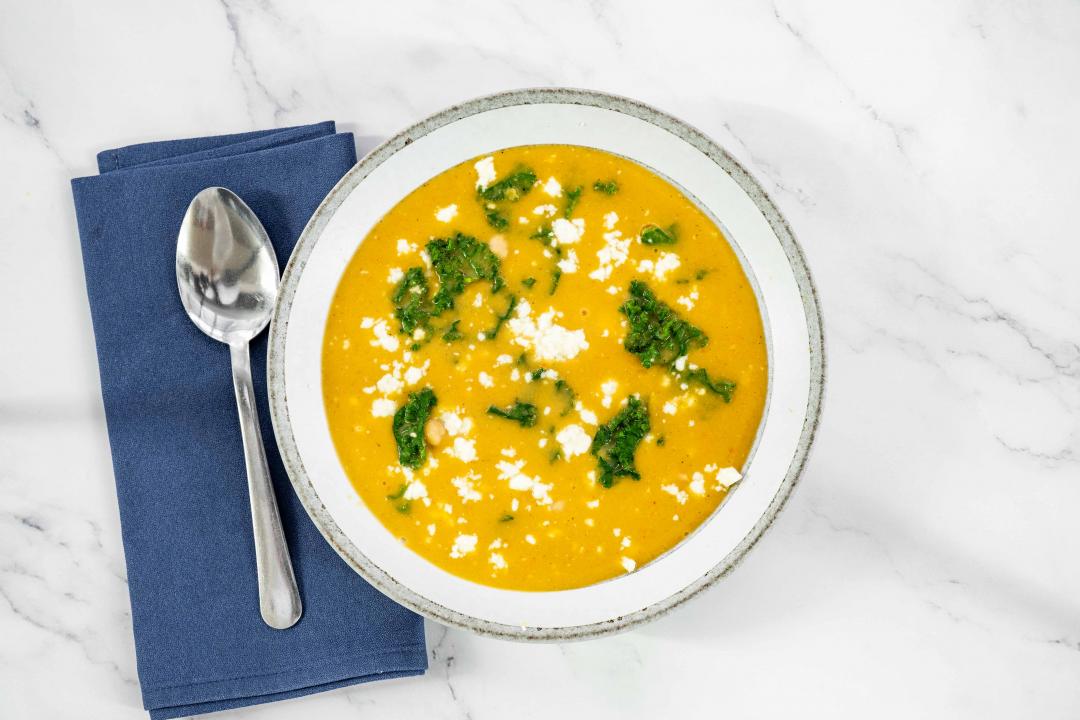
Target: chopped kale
723,388
657,333
507,517
616,442
501,319
452,333
555,454
658,336
556,276
661,441
608,187
537,373
458,261
497,220
400,503
700,274
572,199
655,235
544,234
529,282
512,187
569,396
522,413
408,427
412,301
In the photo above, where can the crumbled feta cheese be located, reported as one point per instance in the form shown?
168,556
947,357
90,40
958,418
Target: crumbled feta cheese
568,232
497,561
414,374
395,275
593,504
666,263
628,564
680,363
415,490
726,477
614,253
454,423
486,380
574,441
610,219
530,539
697,484
625,542
543,337
508,452
367,323
670,408
569,264
383,338
446,214
552,187
383,408
463,449
676,493
545,210
404,247
503,360
485,172
517,480
389,384
608,388
431,529
587,416
463,545
466,489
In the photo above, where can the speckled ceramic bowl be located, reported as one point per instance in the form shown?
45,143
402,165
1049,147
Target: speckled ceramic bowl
671,148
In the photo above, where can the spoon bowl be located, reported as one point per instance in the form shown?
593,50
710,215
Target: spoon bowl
226,268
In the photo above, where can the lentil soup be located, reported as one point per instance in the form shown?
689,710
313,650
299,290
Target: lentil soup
544,368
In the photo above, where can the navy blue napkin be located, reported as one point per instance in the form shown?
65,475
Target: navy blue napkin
176,451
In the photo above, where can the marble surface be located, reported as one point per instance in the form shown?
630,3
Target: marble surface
926,156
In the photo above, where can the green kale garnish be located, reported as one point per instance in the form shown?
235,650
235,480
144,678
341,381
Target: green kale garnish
661,441
700,274
522,413
657,333
655,235
507,517
569,396
616,442
609,187
408,427
501,319
411,300
512,187
529,282
556,276
404,505
452,333
572,198
659,336
497,220
555,454
458,261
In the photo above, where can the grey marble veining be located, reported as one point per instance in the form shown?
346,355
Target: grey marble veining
925,156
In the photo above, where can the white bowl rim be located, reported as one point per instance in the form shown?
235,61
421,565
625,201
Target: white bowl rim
301,482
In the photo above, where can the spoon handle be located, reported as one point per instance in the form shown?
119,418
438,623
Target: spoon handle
279,599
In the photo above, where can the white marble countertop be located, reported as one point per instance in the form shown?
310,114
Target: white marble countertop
926,156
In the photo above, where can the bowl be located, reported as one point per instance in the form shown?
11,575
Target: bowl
706,173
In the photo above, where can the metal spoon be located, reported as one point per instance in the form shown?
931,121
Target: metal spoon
228,278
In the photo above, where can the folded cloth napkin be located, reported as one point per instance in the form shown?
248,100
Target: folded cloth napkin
177,456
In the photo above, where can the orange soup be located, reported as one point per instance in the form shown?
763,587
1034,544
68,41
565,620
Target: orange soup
544,368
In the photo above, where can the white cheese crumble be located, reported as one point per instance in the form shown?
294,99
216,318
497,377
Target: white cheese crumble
680,363
628,564
503,360
530,539
545,210
404,247
388,384
546,340
454,423
415,490
486,380
614,253
367,322
587,416
670,408
463,449
395,275
485,172
676,493
463,545
574,441
383,338
610,219
497,561
552,187
726,477
478,300
697,484
414,374
608,388
446,214
383,408
569,264
517,480
466,489
568,232
431,529
666,263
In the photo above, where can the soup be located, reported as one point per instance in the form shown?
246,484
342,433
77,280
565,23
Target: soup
544,368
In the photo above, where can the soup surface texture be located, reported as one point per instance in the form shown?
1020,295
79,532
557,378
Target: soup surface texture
544,368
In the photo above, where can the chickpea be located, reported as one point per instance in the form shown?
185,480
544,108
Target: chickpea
498,245
434,431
